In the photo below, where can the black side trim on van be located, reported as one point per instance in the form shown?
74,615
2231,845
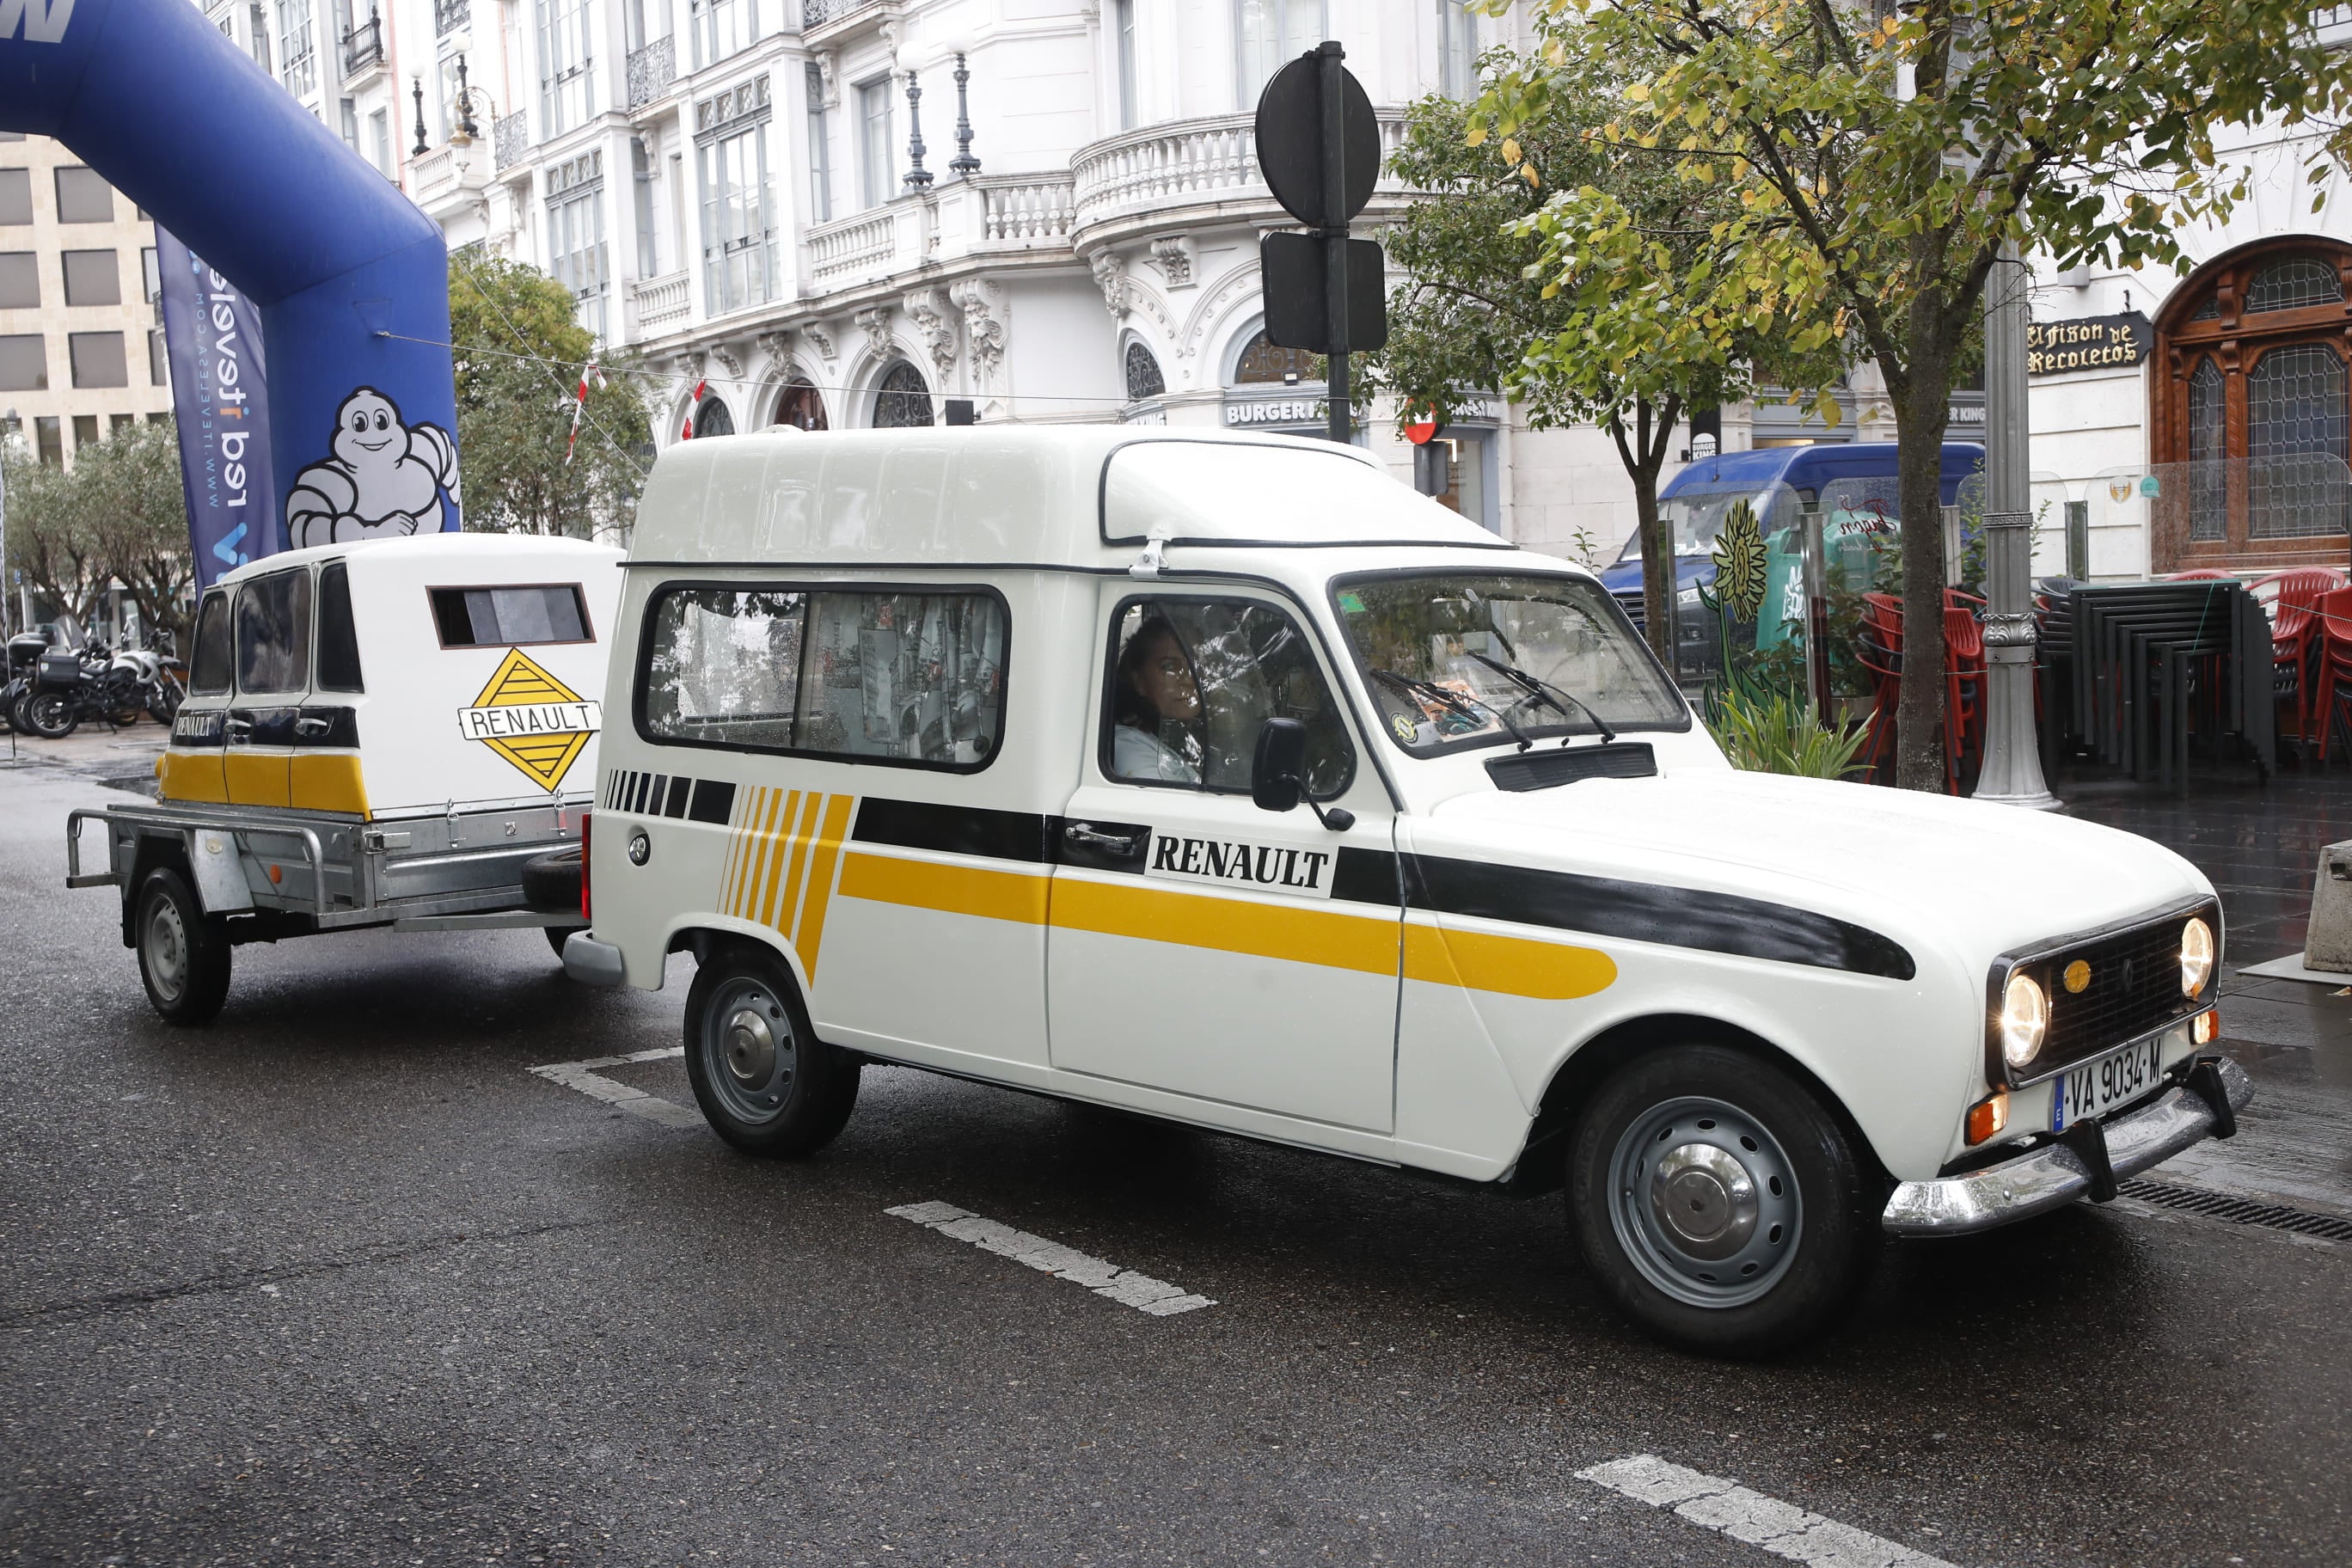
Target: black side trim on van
713,801
1024,836
1641,912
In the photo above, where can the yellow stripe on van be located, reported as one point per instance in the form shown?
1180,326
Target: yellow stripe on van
951,890
820,888
783,897
1513,965
768,864
256,777
329,781
1301,933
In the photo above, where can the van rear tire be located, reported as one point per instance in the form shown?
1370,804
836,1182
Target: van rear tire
184,953
764,1081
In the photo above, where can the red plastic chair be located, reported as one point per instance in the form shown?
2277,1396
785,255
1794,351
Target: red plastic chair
2296,640
2333,613
2201,574
1964,673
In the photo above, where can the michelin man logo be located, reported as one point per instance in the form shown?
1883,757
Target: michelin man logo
385,478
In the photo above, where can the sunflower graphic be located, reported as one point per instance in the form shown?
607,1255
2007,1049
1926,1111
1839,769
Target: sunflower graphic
1740,563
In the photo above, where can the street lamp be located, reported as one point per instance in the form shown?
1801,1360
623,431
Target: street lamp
467,129
417,91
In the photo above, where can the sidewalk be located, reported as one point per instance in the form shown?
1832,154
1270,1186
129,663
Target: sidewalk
122,759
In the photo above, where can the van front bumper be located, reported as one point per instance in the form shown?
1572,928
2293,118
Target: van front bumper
2059,1173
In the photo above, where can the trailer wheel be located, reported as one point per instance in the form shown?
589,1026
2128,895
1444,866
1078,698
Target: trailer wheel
764,1080
183,955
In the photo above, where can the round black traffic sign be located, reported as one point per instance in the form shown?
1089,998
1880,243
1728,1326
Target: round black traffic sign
1290,140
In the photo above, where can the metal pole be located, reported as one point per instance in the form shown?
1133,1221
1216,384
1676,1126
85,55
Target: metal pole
2011,775
1814,560
1335,235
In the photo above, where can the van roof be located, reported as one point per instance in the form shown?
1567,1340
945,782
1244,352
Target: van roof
1021,495
1811,467
470,554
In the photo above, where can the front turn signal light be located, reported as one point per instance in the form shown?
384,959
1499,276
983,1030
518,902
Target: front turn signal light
1988,1118
2208,1027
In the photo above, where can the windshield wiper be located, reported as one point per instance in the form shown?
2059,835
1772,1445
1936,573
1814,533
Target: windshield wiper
1539,690
1451,701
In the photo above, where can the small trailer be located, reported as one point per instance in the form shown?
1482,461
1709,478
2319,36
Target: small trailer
397,733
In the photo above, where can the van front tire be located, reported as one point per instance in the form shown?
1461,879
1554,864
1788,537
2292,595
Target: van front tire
765,1082
1722,1205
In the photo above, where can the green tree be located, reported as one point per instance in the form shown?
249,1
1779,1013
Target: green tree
1484,302
519,353
119,514
1885,157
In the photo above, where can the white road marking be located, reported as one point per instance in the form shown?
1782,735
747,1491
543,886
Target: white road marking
1751,1516
1139,1291
583,1076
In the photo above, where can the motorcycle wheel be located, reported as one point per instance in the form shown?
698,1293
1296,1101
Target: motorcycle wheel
164,699
52,715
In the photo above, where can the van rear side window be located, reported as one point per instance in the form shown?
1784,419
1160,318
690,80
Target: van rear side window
273,635
339,642
510,617
210,671
915,678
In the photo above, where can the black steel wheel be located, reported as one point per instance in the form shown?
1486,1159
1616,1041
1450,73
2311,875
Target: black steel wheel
765,1082
52,715
183,955
1723,1206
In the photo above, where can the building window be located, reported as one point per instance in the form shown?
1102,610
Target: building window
446,95
85,433
799,407
1123,35
1262,361
712,418
349,113
819,155
98,359
875,165
23,363
1143,377
83,196
92,277
900,399
159,364
20,280
258,30
51,439
738,235
380,142
641,189
150,275
16,196
722,27
1270,33
2252,399
1457,49
575,235
567,78
298,61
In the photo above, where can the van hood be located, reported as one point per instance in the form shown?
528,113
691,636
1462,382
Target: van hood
1928,870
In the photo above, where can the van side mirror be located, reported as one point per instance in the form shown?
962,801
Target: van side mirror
1278,773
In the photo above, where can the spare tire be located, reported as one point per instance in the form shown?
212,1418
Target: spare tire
551,882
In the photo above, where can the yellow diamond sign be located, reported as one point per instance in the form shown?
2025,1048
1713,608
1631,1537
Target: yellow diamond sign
532,720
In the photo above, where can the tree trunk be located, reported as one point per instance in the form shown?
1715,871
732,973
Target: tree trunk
1919,418
1642,459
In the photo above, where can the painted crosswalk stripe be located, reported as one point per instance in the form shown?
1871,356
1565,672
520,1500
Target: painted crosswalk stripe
1775,1526
583,1075
1139,1291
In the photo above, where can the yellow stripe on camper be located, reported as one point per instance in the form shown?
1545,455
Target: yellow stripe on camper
329,781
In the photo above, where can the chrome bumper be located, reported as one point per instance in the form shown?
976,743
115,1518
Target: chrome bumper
2055,1175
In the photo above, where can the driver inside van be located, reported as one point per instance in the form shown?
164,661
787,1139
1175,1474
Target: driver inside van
1155,707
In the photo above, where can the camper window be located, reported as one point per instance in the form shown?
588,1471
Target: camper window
273,634
339,642
912,678
510,617
210,672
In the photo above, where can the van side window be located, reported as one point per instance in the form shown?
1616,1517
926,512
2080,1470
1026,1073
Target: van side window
209,671
273,634
339,641
911,677
1192,680
510,617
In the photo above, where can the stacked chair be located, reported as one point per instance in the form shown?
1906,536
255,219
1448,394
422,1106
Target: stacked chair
2332,705
1879,647
2299,643
2148,658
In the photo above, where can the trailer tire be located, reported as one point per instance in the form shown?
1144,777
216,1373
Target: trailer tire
184,953
764,1080
551,882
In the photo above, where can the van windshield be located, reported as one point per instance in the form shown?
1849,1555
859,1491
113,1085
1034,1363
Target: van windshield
1460,659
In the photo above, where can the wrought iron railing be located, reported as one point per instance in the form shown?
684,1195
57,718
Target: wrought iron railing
511,134
818,13
651,70
363,46
448,15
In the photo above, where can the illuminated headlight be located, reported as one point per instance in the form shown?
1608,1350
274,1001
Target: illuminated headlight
2196,956
2024,1019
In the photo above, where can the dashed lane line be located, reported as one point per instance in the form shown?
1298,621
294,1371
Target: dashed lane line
1139,1291
1744,1515
583,1076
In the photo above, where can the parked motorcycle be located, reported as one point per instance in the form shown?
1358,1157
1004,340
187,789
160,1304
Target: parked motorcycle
25,650
69,686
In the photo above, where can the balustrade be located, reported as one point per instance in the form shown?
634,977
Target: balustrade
651,70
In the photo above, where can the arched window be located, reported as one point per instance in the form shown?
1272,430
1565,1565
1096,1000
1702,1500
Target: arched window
902,399
2253,396
1262,361
1143,377
799,407
712,418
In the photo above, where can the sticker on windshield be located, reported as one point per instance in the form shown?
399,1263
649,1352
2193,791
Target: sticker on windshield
1406,730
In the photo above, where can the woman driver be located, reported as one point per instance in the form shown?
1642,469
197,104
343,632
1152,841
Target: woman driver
1154,695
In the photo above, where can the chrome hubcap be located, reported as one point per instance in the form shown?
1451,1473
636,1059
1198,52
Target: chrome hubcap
1704,1202
750,1047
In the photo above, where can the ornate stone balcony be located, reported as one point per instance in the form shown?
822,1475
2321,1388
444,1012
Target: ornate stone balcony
1025,212
511,134
1175,176
655,302
653,71
450,174
854,250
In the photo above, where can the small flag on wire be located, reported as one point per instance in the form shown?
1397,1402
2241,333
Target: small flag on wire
579,401
700,388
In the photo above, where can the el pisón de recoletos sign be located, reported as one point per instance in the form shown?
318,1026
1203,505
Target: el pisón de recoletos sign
2086,342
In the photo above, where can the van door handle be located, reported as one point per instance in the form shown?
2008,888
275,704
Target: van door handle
1117,843
240,729
312,725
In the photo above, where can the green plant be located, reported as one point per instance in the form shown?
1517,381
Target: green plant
1773,733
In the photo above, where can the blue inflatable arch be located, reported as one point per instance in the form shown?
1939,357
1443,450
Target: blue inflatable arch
350,279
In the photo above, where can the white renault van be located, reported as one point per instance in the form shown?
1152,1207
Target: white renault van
1227,780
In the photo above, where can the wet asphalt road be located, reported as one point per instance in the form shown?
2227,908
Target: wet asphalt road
338,1281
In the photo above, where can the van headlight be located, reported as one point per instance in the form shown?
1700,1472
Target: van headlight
2196,955
2024,1019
